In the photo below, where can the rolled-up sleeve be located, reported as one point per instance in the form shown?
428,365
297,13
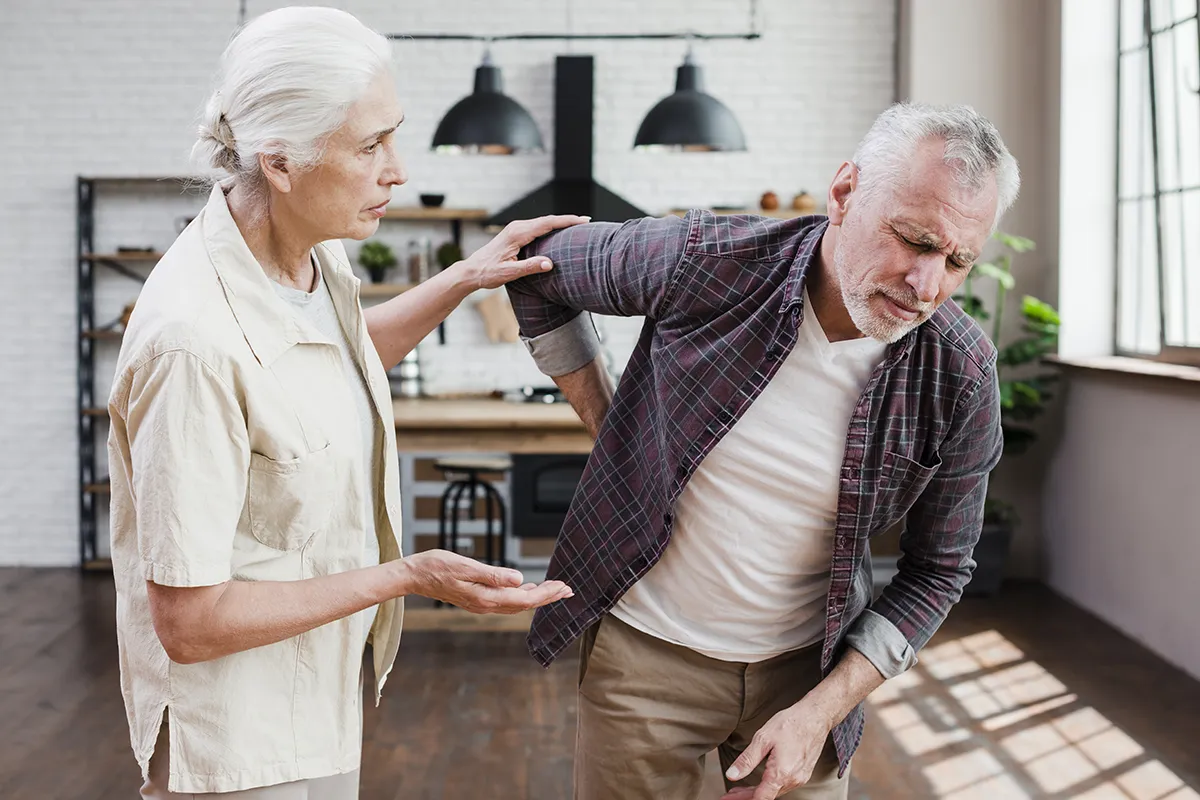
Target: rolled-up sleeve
569,347
605,268
882,644
941,531
189,459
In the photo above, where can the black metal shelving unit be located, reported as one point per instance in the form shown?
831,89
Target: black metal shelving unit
92,486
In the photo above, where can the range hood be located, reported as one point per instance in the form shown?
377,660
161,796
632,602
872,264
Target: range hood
572,190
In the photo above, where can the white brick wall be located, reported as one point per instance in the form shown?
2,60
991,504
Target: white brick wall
113,87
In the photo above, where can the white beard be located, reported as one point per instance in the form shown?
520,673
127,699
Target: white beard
880,326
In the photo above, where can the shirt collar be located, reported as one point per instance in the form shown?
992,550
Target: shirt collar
810,247
269,325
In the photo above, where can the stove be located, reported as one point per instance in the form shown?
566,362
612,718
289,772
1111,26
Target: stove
536,394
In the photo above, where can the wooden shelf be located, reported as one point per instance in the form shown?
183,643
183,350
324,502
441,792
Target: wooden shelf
98,565
131,256
383,289
95,412
98,488
437,214
111,335
146,178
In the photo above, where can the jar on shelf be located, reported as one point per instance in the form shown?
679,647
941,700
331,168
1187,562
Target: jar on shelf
416,261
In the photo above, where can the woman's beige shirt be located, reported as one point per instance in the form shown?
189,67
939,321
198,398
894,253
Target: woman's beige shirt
236,454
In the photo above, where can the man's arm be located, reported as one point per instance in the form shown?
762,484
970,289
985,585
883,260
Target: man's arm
939,537
589,390
399,325
605,268
793,739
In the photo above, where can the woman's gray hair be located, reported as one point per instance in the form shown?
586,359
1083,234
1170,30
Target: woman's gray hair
285,83
974,149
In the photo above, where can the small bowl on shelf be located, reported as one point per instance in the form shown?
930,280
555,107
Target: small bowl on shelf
432,200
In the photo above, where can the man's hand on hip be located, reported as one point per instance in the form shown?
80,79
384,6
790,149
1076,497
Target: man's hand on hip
790,742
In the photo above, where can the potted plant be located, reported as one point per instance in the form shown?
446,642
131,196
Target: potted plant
1024,393
448,255
376,258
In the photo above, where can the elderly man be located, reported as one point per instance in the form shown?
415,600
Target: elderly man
799,386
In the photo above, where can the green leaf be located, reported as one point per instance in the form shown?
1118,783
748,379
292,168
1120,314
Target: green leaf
1017,244
974,307
1036,310
1000,275
1041,329
1024,351
1026,392
1017,439
1022,400
1006,395
376,255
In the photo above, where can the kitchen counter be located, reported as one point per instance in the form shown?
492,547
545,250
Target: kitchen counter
483,425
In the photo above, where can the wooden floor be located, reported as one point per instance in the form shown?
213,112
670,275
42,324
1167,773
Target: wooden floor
1019,696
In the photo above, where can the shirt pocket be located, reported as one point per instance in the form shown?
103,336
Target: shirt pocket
900,485
289,500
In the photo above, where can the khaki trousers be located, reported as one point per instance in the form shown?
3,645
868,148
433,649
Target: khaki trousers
649,711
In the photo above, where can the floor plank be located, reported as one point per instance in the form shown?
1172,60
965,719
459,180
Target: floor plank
1023,695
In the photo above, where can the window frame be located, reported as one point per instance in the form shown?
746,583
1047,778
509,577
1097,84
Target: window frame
1186,355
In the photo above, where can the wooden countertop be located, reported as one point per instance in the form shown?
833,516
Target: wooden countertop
429,425
479,414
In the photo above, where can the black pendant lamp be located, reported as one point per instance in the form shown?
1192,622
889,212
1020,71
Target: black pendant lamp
690,120
487,120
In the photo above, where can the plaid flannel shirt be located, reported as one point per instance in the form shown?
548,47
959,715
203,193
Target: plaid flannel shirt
722,297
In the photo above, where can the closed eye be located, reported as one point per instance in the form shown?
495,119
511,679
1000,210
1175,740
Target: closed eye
923,247
929,247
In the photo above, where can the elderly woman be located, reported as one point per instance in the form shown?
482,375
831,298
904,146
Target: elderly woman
254,472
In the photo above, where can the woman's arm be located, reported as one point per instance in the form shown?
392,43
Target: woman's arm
398,325
201,623
180,438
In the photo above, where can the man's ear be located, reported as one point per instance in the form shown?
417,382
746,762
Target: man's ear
275,169
840,191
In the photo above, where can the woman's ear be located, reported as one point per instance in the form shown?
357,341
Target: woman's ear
275,169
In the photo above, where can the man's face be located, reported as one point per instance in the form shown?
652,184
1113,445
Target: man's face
905,248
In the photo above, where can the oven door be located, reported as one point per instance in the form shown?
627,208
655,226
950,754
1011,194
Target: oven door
543,486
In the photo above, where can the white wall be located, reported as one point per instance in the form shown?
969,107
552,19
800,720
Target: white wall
113,88
1122,508
1122,519
1001,57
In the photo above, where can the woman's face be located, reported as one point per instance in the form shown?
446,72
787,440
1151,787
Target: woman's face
345,196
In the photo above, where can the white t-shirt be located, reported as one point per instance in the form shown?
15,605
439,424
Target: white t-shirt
746,574
317,307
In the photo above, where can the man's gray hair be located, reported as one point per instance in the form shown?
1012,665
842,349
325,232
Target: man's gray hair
974,149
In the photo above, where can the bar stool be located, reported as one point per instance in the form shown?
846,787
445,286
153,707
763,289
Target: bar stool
463,474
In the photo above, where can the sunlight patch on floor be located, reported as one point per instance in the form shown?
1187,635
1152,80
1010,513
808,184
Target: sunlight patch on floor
1055,749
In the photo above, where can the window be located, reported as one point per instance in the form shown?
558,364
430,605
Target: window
1158,180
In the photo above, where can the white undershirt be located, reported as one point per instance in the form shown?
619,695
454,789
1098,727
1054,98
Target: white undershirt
746,574
317,307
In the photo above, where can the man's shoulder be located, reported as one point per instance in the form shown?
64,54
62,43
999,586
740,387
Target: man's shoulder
751,237
958,334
